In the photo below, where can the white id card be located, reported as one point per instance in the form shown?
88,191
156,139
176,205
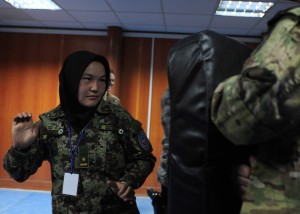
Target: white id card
70,184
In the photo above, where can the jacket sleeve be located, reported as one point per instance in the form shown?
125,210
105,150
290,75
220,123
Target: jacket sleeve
140,160
21,164
264,100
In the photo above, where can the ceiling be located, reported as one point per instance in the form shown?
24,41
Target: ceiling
165,17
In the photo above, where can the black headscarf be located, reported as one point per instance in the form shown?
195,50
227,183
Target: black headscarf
69,78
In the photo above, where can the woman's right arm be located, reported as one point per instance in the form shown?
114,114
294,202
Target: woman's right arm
26,154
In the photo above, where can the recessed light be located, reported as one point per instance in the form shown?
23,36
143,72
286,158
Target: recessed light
34,4
243,8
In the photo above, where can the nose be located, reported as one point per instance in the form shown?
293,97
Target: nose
94,86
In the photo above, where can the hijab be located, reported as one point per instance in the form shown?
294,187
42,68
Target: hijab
69,78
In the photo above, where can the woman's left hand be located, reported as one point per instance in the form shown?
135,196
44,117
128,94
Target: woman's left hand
123,190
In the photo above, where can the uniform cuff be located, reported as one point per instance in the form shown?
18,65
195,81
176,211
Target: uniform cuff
130,180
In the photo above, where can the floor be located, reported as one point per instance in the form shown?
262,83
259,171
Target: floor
14,201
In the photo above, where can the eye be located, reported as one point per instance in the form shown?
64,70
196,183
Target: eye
103,79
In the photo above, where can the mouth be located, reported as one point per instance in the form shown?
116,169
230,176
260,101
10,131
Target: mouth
93,97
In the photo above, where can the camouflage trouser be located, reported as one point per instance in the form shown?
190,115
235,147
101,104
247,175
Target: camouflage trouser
273,190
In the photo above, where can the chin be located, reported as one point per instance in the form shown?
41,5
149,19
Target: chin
90,105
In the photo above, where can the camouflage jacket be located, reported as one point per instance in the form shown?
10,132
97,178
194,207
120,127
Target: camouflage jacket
114,147
259,109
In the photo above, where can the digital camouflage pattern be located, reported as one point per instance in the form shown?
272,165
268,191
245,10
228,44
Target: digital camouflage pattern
260,109
109,97
162,172
115,152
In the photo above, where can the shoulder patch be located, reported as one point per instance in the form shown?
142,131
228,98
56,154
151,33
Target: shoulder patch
143,140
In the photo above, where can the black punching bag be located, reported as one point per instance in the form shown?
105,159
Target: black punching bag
202,162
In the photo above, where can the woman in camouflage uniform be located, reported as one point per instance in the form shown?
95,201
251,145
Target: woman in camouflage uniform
97,152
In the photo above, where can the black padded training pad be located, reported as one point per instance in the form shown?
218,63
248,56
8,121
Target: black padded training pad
198,151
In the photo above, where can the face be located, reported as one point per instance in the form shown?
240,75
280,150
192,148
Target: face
92,85
112,80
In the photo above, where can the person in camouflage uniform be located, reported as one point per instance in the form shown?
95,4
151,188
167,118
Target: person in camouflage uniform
108,96
99,142
160,199
162,174
259,109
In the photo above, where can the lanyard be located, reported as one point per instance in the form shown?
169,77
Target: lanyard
73,152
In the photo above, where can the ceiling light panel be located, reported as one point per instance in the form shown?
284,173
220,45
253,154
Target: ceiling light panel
243,8
34,4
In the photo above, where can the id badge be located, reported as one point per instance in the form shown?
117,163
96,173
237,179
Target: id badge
70,184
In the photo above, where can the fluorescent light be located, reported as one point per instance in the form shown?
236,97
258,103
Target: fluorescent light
34,4
243,8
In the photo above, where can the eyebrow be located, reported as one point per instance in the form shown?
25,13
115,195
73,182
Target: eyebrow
86,74
91,75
